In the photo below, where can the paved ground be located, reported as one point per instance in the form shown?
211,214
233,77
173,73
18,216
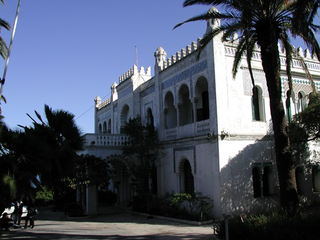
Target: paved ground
111,223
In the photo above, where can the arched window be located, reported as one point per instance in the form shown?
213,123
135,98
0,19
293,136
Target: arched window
170,111
124,117
150,120
109,126
186,177
185,106
316,179
302,101
104,127
257,104
100,128
202,99
288,107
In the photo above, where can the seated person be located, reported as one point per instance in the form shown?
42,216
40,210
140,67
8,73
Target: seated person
6,222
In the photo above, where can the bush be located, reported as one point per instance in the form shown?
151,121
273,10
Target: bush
195,207
273,226
44,197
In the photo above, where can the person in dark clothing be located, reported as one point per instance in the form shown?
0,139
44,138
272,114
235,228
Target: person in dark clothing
30,215
20,211
6,222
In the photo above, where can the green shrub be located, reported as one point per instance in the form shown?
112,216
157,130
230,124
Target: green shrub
273,226
44,197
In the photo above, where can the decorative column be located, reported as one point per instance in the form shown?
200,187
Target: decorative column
92,200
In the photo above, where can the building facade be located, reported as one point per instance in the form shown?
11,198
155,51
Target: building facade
215,130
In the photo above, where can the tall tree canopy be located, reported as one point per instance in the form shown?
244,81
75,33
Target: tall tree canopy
266,23
45,151
142,153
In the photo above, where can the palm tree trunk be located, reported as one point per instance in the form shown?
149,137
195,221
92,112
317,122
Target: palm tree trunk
286,171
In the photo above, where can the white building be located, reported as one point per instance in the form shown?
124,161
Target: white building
217,136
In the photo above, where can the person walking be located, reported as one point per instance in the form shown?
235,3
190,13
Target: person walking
30,215
20,211
15,211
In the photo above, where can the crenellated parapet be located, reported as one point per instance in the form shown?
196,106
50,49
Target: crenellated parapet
100,104
180,55
310,60
133,71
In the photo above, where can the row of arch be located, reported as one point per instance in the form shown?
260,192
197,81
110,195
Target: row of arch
106,127
184,109
257,103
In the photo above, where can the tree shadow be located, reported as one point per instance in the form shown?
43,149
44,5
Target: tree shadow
237,193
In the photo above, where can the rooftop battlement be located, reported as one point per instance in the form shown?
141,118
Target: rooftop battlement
310,60
133,71
180,55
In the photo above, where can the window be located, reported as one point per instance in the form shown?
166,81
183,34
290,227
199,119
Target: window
186,177
100,128
109,126
185,106
150,120
302,103
257,104
202,99
262,179
124,117
104,127
288,107
170,111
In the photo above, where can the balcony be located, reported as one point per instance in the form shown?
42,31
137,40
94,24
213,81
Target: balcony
106,140
189,130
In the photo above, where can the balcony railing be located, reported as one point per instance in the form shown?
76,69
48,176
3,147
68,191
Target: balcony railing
190,130
111,140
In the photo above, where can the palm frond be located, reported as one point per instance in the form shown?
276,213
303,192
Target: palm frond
203,2
308,75
288,51
211,14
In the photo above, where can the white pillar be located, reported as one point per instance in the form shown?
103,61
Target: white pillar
92,200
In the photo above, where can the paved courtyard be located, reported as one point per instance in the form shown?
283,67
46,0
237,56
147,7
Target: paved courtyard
111,223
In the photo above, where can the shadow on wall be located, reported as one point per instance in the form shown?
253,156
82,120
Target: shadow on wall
238,194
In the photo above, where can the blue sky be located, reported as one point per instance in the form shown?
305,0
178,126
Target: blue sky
66,52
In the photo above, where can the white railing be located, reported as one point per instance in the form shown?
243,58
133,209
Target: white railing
92,139
203,127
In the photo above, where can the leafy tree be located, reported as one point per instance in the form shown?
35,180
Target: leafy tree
15,172
142,153
266,22
305,127
51,147
89,171
41,155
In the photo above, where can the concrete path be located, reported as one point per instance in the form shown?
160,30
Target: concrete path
111,223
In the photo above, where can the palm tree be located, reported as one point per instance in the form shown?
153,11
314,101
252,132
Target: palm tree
52,145
3,45
266,23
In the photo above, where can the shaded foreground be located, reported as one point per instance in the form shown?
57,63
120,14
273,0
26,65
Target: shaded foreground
111,223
